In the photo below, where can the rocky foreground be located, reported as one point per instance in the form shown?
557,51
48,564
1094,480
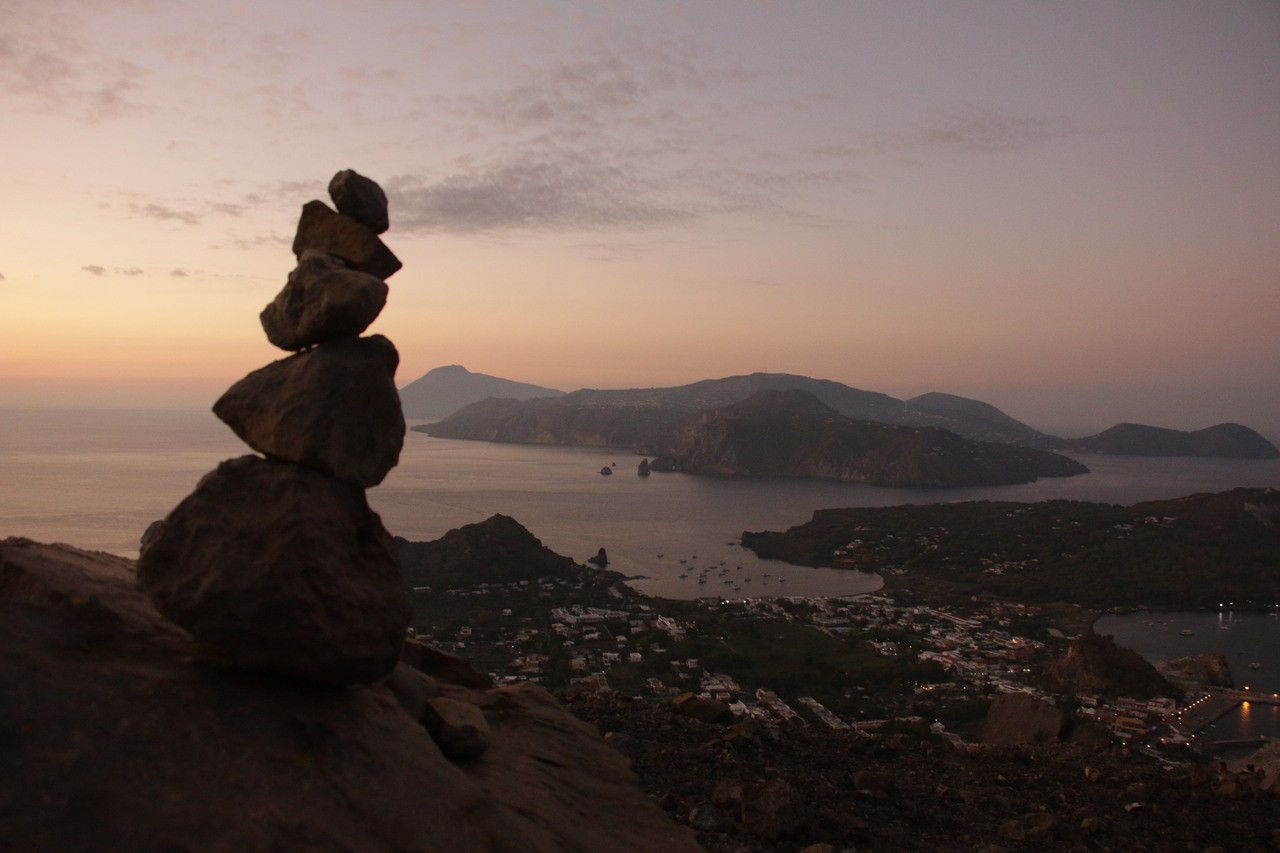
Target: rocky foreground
753,788
114,738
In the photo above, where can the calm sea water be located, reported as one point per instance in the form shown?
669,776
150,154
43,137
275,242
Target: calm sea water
96,479
1242,638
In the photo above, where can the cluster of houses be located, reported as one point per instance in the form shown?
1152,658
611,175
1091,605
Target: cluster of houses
978,650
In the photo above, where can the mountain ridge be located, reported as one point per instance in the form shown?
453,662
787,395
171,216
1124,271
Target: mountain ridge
638,418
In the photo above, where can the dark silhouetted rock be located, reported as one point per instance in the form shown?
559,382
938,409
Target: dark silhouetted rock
322,300
276,567
361,199
458,728
323,229
496,550
116,741
601,559
606,471
643,468
333,407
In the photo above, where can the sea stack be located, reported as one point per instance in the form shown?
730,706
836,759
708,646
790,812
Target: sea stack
276,562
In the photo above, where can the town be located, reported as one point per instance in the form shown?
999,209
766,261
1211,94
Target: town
867,664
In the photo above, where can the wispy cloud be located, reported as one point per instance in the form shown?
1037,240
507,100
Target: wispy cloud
94,269
178,273
162,213
559,191
47,68
980,130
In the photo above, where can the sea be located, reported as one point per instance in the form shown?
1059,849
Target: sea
97,478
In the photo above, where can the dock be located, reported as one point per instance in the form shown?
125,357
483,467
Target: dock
1214,706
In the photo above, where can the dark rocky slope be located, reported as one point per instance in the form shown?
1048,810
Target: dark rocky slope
793,434
748,787
112,738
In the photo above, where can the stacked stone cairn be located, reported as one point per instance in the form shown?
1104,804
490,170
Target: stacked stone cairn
276,562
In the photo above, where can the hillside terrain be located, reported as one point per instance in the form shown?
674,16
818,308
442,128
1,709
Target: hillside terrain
1224,441
116,738
790,433
1189,552
639,418
1031,777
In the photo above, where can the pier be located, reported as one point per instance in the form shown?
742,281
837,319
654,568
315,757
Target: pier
1216,705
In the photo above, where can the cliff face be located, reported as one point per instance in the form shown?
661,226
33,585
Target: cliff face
793,434
115,740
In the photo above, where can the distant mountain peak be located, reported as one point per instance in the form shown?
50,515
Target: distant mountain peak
444,390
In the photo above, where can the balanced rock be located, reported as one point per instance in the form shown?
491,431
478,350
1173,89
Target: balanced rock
276,567
333,407
361,199
322,300
322,228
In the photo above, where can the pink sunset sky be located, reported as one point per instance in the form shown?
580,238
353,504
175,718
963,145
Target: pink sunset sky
1069,210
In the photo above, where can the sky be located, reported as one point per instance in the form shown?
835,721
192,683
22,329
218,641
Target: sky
1070,210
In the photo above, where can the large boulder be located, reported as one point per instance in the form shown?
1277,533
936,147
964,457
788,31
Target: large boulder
322,228
114,740
276,567
1197,672
333,407
1018,718
322,300
361,199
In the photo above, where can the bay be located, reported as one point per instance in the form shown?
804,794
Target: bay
96,478
1243,638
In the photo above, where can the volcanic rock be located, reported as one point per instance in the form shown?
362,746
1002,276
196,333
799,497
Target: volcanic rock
1019,718
1197,672
333,407
771,809
459,728
325,230
322,300
276,567
361,199
1095,664
114,740
440,664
